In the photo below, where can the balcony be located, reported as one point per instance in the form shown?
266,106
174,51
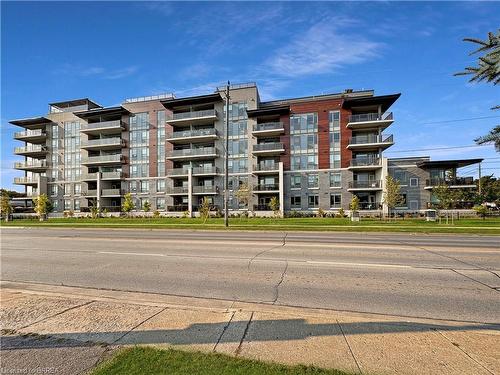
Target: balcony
193,117
370,142
26,181
193,153
268,129
367,206
103,144
178,208
111,193
90,193
178,190
205,171
261,207
35,166
178,172
267,188
370,121
196,135
32,136
111,175
453,183
103,159
105,127
205,189
365,185
266,168
274,148
34,151
365,163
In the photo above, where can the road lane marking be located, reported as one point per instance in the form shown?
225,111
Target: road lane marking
357,264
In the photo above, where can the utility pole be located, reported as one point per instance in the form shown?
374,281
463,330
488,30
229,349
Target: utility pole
479,181
226,175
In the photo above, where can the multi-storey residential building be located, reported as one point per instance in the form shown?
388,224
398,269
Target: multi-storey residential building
309,152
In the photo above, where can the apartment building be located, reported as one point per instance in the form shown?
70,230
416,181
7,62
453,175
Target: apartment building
310,152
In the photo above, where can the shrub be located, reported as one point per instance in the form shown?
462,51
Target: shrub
156,214
321,213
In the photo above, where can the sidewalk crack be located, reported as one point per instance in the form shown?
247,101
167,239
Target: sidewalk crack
136,326
238,350
349,346
224,330
464,352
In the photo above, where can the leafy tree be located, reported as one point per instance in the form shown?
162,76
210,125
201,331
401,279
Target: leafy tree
42,206
146,206
205,209
94,209
392,194
5,206
128,203
274,205
156,214
490,189
446,197
481,211
354,205
243,194
11,193
487,69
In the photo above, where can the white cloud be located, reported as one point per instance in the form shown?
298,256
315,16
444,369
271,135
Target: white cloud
322,49
78,70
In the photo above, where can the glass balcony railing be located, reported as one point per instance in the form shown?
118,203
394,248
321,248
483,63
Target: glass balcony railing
371,138
31,164
178,172
191,152
30,133
102,159
268,126
178,208
267,187
376,184
365,162
192,133
179,190
115,141
210,169
25,181
30,149
115,124
204,189
275,146
369,117
266,167
193,114
457,181
107,192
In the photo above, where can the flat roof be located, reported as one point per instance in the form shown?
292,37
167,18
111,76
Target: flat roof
102,111
30,121
274,110
191,100
75,103
458,163
384,100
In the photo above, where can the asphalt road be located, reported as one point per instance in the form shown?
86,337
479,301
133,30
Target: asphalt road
431,276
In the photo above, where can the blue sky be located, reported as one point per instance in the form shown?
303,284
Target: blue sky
111,51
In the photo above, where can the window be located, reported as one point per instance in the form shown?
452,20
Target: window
304,141
413,181
144,186
55,205
67,204
335,179
400,176
53,190
296,201
160,186
67,189
334,122
312,181
296,181
313,201
77,205
139,145
404,201
160,203
78,189
414,205
335,200
133,186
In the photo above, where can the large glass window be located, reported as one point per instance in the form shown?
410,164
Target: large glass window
72,156
335,179
295,181
312,180
334,127
160,186
139,145
238,138
160,116
313,201
335,200
304,141
295,201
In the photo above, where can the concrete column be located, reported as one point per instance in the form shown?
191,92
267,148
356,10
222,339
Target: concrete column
190,191
383,174
281,189
99,190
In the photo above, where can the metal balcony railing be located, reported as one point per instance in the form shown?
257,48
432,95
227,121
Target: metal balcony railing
267,187
368,117
266,167
365,162
370,206
115,141
192,133
102,159
268,126
177,172
114,124
30,133
106,192
375,184
30,148
193,152
111,175
90,193
31,164
275,146
193,114
24,180
205,170
178,190
371,138
457,181
261,207
178,208
204,189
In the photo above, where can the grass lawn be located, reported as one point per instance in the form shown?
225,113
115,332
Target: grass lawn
477,225
145,361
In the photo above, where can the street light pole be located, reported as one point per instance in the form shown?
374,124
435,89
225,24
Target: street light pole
226,175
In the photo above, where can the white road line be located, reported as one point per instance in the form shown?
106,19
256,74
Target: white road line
357,264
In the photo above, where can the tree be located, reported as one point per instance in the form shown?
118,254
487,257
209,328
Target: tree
354,205
205,209
5,206
274,205
42,206
392,193
128,204
490,189
487,69
445,196
94,209
243,194
146,206
481,211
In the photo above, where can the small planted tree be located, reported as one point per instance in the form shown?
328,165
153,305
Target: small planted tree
94,209
354,207
128,204
146,206
5,206
42,205
243,194
274,205
392,194
481,210
205,209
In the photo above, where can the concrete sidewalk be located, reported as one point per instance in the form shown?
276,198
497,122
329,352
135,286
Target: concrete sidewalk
66,330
